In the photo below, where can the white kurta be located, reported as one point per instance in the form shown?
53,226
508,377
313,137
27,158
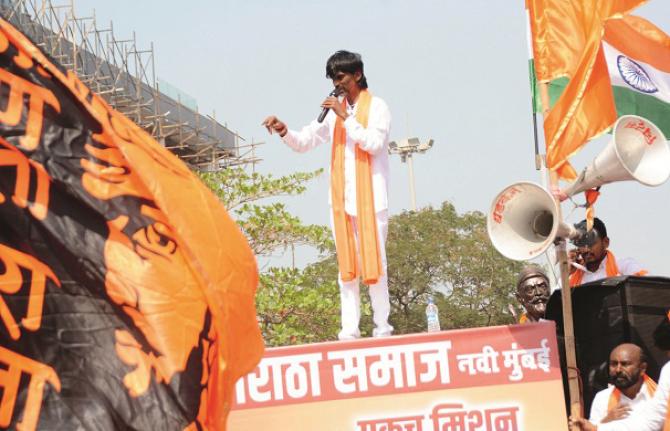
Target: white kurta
600,402
652,416
627,266
374,139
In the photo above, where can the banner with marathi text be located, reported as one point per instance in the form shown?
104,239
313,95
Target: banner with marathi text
504,378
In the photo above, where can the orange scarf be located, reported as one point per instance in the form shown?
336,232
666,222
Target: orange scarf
367,222
615,396
611,269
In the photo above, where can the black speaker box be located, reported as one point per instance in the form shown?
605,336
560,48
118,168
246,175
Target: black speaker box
607,313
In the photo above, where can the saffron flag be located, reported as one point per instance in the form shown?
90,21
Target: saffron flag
126,290
566,42
561,29
637,55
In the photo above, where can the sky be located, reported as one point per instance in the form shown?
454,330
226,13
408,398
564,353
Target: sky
456,72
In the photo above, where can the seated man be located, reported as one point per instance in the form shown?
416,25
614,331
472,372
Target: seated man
595,261
532,291
656,412
630,386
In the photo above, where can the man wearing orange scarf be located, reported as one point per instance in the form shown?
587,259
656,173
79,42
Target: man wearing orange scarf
358,127
655,415
595,261
631,388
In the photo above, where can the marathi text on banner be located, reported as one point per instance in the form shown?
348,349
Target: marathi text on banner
425,363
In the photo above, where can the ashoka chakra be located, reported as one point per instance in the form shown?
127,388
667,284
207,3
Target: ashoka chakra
635,75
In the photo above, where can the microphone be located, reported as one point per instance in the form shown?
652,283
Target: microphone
335,92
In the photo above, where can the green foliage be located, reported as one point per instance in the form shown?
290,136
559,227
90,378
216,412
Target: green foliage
295,310
431,252
269,227
439,253
236,187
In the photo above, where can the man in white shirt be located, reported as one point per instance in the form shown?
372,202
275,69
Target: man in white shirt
630,388
595,261
358,128
654,416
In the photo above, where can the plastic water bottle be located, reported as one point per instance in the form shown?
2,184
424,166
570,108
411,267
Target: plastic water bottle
432,317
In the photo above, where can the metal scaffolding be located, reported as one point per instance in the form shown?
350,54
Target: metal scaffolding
125,77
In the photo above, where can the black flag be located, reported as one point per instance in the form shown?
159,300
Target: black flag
126,290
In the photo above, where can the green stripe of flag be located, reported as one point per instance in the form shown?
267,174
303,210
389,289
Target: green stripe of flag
632,102
628,102
556,88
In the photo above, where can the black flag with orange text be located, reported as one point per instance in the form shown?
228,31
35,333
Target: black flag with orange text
126,290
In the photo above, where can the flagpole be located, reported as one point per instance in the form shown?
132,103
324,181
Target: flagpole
538,157
533,92
566,294
574,394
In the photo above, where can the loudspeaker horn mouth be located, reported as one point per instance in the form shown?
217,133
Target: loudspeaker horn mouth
523,221
543,224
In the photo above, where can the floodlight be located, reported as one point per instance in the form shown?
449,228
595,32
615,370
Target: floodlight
426,146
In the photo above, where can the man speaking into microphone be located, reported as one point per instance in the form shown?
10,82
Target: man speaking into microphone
358,127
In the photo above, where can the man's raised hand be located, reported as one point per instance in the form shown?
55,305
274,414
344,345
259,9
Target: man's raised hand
333,103
274,124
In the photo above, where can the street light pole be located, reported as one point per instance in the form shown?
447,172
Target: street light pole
406,148
412,191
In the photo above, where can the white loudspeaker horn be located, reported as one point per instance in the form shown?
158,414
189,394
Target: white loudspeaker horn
523,221
638,151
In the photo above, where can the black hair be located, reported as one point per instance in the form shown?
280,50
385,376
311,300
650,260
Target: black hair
347,62
598,226
662,334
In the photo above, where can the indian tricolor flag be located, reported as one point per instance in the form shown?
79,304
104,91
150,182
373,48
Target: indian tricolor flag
638,60
637,54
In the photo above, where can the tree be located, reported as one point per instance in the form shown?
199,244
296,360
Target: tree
295,308
431,252
268,226
436,252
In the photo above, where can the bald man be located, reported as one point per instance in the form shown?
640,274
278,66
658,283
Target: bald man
630,387
656,413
